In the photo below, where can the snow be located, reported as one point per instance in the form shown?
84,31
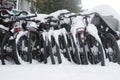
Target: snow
21,33
65,71
41,16
93,31
3,27
106,10
57,13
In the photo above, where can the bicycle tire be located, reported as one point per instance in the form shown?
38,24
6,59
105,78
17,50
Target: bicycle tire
93,56
45,52
34,46
83,54
39,53
23,43
54,44
74,51
50,52
32,36
64,45
13,54
114,46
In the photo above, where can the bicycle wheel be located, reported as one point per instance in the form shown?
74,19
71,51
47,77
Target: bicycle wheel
73,50
51,52
56,49
47,52
64,47
95,51
33,45
111,48
38,55
8,49
81,50
22,48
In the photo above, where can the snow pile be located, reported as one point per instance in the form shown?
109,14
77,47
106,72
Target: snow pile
3,27
59,72
77,24
57,13
106,10
41,16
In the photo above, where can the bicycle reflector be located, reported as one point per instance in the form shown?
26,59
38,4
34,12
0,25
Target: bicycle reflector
80,31
17,29
116,37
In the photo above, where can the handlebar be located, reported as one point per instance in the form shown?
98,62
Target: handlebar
21,13
62,14
69,16
51,19
72,16
10,23
87,14
5,8
9,14
23,18
33,20
5,12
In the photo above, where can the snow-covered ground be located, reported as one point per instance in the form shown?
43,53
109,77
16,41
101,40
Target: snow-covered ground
65,71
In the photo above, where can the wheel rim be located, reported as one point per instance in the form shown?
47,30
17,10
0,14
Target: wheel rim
8,51
94,53
22,48
110,50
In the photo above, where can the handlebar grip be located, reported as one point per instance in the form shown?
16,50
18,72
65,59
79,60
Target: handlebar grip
60,18
22,18
37,21
22,13
5,12
9,15
49,17
72,16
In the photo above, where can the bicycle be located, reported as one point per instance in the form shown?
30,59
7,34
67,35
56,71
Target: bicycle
28,44
92,50
95,48
50,40
108,37
8,46
67,41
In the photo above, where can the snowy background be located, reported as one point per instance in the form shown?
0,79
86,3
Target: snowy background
66,70
90,4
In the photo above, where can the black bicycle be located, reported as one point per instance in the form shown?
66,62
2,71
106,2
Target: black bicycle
109,38
29,43
8,46
67,43
50,45
90,48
